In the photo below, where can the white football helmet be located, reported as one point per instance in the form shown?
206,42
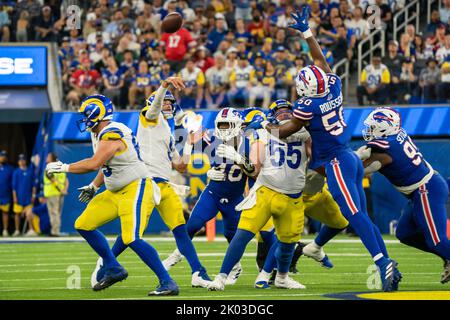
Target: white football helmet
381,122
312,81
232,117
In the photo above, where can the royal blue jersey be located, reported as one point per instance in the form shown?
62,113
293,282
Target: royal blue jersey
326,122
22,184
408,166
113,78
236,179
6,172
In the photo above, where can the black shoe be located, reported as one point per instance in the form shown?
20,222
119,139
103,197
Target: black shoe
297,254
112,275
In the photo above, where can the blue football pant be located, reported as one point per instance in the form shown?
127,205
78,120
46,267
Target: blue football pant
344,176
427,216
207,207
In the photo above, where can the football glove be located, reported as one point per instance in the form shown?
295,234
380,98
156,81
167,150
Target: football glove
363,153
228,152
56,167
215,174
87,193
301,20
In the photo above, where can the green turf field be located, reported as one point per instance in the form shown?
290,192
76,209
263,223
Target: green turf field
40,271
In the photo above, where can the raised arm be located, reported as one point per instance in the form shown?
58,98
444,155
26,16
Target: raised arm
301,24
155,108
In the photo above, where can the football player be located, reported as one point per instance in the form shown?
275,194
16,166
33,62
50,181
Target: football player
320,110
280,166
227,182
392,152
130,193
157,147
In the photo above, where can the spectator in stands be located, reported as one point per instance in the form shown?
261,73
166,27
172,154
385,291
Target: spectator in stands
141,85
282,64
444,11
176,46
44,25
84,82
428,80
113,81
435,22
32,6
55,188
90,24
404,84
217,34
243,10
393,60
202,59
385,14
256,26
22,187
358,24
217,78
232,60
406,47
6,173
264,87
165,72
280,39
241,79
443,90
22,27
443,52
102,63
5,24
194,80
374,79
299,63
242,33
341,49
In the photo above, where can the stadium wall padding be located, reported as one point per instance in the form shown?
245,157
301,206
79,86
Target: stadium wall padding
387,201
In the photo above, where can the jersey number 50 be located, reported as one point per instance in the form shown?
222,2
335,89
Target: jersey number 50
334,127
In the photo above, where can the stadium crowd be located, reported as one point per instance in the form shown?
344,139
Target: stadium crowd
228,51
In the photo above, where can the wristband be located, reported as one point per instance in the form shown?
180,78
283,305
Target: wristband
65,167
187,150
93,186
307,34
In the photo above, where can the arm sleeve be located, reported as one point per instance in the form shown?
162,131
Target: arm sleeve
302,110
386,76
364,76
154,110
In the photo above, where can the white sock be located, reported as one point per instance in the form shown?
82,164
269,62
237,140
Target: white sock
265,275
282,275
315,245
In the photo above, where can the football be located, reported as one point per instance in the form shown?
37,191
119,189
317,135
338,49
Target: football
172,22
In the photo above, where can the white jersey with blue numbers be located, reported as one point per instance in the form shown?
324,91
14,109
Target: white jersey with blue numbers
326,122
125,166
284,166
408,170
157,146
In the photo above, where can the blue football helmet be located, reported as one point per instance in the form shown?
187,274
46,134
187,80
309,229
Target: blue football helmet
94,108
168,114
280,110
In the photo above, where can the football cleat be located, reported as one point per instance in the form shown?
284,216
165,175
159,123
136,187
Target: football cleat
288,283
200,279
174,258
112,275
165,288
98,273
445,277
5,233
234,274
297,254
218,284
390,276
315,252
262,281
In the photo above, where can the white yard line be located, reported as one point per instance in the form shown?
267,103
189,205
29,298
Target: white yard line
151,239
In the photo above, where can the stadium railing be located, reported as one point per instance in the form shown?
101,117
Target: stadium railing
408,15
376,42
